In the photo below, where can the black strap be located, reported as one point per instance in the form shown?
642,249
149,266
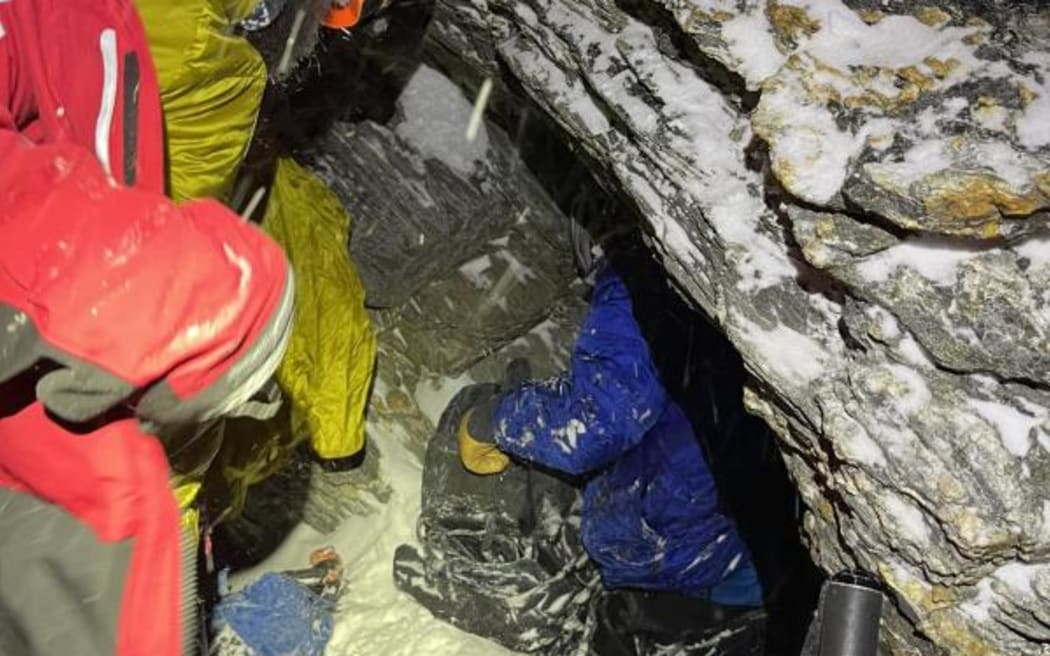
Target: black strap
132,79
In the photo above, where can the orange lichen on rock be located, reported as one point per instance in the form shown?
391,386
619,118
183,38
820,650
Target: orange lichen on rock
978,202
942,68
790,22
871,16
932,16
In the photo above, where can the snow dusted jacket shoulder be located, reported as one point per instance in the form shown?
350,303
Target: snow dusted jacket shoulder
602,406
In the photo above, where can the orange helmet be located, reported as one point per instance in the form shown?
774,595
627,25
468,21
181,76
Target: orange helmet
347,14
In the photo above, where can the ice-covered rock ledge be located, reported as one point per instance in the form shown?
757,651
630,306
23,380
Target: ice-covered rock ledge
872,235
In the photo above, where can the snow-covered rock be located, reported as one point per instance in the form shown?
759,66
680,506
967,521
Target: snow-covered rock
429,200
857,192
932,117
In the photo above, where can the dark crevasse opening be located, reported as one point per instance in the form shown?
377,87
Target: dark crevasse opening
700,367
355,79
705,375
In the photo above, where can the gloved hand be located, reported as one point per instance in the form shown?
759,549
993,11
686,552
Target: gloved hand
477,430
477,440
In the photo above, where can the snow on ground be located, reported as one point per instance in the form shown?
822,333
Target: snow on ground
432,395
374,617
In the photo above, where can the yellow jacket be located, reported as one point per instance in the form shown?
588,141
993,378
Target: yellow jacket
212,84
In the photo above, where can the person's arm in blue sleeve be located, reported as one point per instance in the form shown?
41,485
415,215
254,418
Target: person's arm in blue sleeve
586,417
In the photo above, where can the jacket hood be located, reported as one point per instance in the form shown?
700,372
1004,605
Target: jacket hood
178,309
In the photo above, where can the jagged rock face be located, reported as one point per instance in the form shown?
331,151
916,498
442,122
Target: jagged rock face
430,200
455,235
466,265
857,192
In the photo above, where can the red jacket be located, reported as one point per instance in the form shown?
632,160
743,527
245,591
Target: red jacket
115,305
79,72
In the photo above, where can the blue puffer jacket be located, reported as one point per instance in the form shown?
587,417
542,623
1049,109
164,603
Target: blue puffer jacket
650,516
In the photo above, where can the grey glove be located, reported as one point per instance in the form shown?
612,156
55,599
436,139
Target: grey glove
481,422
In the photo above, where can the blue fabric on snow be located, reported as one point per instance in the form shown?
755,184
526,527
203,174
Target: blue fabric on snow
277,616
650,516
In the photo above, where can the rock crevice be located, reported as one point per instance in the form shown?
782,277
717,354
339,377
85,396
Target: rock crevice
881,263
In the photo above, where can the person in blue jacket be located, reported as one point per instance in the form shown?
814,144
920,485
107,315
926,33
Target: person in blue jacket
650,517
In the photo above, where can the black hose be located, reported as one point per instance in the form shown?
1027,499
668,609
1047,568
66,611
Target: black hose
848,616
